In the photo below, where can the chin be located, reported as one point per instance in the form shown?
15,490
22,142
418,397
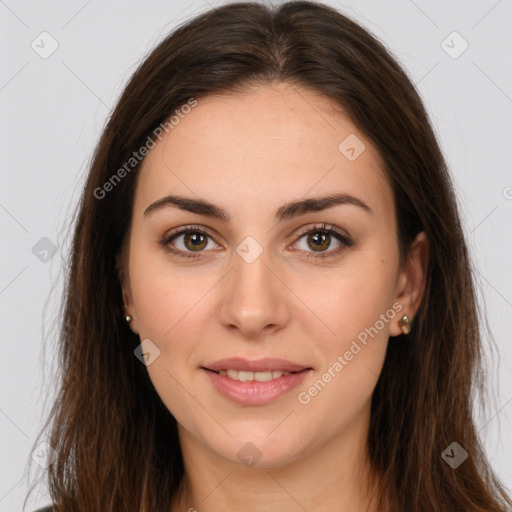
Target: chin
264,451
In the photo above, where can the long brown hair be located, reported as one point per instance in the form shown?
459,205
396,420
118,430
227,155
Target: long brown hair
117,445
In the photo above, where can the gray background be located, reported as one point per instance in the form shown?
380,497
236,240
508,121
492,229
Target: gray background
53,110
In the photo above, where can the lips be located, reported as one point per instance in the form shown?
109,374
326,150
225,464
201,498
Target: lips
260,365
253,392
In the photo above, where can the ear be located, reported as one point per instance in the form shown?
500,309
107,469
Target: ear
126,290
411,281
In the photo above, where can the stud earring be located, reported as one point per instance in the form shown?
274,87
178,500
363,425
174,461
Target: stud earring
405,324
128,318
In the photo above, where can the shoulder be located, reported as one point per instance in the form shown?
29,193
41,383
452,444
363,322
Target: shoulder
49,508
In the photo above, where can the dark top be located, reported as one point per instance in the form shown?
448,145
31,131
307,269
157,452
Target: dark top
49,508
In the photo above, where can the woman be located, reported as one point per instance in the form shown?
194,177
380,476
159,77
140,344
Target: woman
270,302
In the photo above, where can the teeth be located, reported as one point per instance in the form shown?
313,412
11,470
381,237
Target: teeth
249,376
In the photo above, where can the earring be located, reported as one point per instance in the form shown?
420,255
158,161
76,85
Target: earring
405,324
128,318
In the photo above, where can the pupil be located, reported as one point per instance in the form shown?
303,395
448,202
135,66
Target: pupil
316,237
195,239
319,240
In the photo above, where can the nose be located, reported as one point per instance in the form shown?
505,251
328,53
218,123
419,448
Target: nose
253,299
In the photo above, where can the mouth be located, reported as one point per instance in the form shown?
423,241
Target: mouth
255,383
249,376
260,366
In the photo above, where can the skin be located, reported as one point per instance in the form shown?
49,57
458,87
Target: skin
251,153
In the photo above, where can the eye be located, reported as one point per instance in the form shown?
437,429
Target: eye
195,240
319,238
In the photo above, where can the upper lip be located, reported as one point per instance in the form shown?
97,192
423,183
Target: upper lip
260,365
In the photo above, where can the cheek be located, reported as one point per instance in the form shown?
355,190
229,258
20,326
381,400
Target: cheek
355,303
170,307
169,300
352,297
357,308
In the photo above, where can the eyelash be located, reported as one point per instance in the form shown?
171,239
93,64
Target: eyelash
345,240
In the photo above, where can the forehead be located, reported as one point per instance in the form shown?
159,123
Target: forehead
261,148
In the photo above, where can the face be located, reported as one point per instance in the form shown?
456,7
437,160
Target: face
319,286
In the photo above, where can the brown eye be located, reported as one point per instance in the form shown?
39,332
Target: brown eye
184,242
319,239
197,241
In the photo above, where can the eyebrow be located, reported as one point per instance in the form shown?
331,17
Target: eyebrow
285,212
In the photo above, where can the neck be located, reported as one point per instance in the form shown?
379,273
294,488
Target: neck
334,476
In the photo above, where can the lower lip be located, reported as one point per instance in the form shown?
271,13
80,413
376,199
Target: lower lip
256,392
